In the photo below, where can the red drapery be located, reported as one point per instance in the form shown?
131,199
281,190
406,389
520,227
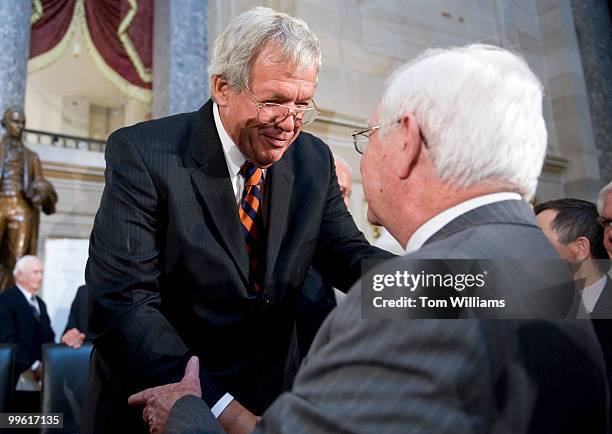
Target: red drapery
104,19
119,34
49,28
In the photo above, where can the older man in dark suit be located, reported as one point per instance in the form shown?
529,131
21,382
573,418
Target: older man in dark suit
25,321
208,224
604,206
464,154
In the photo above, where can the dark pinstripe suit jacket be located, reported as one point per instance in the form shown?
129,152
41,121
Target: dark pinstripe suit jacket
442,376
168,268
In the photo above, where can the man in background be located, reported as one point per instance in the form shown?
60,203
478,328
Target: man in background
75,333
604,206
27,321
572,227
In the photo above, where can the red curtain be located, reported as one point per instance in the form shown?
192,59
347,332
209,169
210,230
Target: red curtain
104,17
49,29
120,30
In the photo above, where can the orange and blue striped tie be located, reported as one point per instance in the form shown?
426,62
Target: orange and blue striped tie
250,217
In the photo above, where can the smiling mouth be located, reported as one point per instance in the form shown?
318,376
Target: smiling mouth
277,143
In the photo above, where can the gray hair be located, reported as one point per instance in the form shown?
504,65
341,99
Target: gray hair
236,49
22,263
601,197
480,109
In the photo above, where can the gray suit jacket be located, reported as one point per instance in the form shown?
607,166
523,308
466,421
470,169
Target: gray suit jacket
433,376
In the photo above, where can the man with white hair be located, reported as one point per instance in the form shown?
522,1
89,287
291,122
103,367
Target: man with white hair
458,136
604,206
25,316
208,224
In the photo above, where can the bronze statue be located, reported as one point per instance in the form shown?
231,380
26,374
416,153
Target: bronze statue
23,190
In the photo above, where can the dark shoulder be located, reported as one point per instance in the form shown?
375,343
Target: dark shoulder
309,153
8,296
167,132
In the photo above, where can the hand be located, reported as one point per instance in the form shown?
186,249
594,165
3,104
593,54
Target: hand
158,401
38,372
236,419
73,338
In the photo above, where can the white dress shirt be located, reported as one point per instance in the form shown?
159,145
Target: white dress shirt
433,225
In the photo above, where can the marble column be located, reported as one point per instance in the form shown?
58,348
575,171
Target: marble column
594,34
180,56
14,49
566,88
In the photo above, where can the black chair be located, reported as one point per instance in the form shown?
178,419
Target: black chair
7,360
64,383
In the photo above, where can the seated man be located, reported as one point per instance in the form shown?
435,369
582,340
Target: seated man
604,206
26,321
572,228
75,332
435,141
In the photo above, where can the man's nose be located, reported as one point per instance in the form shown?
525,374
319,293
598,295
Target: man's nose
288,122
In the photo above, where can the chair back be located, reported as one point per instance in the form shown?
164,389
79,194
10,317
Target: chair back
7,361
64,384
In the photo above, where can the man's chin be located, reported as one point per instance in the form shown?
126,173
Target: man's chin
373,218
269,157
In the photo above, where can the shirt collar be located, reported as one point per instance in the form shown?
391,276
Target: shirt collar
233,157
433,225
27,294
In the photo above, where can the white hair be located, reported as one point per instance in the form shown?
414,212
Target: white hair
236,49
23,262
601,197
480,110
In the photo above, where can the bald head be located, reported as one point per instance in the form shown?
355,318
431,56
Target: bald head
28,273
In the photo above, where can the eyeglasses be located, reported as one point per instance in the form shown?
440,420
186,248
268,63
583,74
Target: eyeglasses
605,222
361,138
269,113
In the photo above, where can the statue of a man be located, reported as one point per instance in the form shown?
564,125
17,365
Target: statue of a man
23,190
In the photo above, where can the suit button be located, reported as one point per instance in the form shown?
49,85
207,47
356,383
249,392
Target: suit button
265,299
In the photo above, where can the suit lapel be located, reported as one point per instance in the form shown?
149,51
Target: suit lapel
603,306
280,183
212,182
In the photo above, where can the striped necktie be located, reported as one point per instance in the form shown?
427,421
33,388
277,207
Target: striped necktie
250,217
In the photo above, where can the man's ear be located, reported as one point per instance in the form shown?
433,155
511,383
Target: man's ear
410,146
582,248
220,89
